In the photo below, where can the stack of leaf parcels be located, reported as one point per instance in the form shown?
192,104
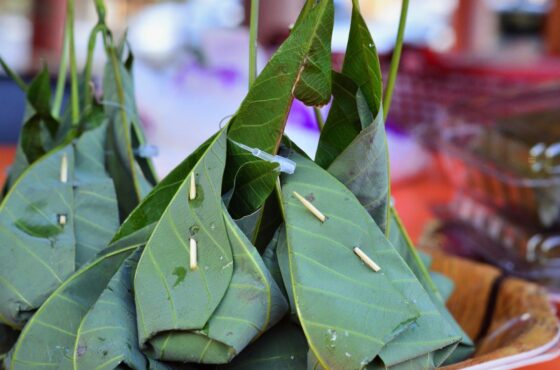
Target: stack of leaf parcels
74,178
231,263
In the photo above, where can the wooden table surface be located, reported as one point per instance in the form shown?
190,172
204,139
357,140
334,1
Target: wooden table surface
412,200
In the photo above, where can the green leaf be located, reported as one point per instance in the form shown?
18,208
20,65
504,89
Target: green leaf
39,93
283,261
248,224
399,238
268,224
444,285
253,184
96,213
424,362
252,303
354,132
362,167
105,341
270,259
361,66
13,75
39,130
150,210
343,122
165,287
301,69
361,62
31,236
339,300
54,327
134,177
282,348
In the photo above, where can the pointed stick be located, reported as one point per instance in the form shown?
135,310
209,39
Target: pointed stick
310,207
193,255
64,169
192,189
368,261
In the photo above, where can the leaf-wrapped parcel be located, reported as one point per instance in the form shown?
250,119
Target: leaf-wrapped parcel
340,285
63,200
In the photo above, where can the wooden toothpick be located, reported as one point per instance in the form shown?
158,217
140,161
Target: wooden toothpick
368,261
64,169
192,190
307,204
193,255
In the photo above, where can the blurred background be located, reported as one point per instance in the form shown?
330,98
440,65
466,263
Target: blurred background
474,130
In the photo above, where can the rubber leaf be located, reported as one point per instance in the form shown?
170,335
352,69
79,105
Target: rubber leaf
105,341
361,62
252,303
165,286
133,175
253,183
59,214
399,238
347,311
301,69
354,133
343,122
270,259
282,348
39,128
362,167
424,362
54,327
248,224
444,285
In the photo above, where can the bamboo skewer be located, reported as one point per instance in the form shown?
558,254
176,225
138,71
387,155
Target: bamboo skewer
368,261
64,169
192,189
307,204
193,255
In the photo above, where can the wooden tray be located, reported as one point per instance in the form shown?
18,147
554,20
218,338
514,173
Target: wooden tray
510,320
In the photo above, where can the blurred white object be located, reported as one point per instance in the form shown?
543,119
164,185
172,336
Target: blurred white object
428,23
408,158
15,41
185,103
163,31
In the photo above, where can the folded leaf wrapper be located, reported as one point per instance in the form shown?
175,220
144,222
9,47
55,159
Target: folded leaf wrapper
230,297
69,183
55,326
182,284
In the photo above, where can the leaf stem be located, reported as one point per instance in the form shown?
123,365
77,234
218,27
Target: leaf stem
13,75
319,118
253,32
74,93
99,28
395,61
116,66
62,70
